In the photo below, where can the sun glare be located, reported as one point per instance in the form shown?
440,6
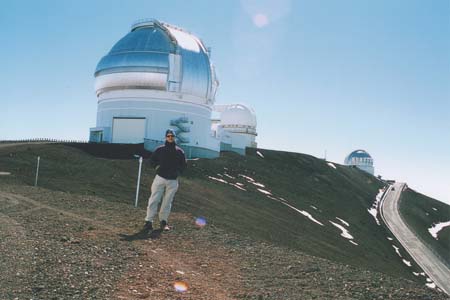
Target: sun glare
260,20
180,286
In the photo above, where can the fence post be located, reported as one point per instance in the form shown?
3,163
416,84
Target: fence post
138,182
37,171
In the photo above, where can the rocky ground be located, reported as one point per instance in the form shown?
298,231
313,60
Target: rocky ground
58,245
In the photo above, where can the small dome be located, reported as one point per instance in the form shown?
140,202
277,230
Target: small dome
238,115
361,159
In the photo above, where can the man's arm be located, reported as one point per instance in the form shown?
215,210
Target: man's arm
182,161
155,158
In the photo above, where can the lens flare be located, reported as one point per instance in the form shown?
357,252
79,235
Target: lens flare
260,20
180,286
200,222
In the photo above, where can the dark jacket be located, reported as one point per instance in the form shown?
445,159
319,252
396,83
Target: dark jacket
169,161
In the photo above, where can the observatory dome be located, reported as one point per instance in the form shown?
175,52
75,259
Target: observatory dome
361,159
160,76
162,57
238,115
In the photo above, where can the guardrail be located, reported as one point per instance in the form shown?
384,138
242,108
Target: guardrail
42,140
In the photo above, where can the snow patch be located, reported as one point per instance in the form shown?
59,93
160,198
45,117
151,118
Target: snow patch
313,207
264,192
356,244
431,285
260,154
237,186
397,250
5,173
434,230
246,177
374,209
416,274
217,179
240,184
229,176
406,262
390,239
435,209
331,165
282,199
251,180
305,213
344,232
343,222
374,212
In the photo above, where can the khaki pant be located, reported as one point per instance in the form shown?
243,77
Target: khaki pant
165,189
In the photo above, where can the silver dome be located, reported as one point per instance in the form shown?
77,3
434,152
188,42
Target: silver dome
361,159
159,48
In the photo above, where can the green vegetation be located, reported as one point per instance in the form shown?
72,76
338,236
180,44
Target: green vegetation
417,210
307,183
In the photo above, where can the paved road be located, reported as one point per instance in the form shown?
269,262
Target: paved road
424,257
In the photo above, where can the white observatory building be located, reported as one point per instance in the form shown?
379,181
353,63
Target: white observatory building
159,76
361,159
236,127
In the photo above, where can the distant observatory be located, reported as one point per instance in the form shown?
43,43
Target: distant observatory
160,76
236,127
361,159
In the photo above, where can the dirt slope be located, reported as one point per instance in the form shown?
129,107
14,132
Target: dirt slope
58,245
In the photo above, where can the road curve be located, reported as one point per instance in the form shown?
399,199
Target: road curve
424,257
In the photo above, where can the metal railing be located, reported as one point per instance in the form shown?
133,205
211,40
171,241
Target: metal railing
42,140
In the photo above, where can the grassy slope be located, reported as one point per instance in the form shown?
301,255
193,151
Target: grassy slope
417,210
301,179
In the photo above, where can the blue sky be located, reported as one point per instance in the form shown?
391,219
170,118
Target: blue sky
321,75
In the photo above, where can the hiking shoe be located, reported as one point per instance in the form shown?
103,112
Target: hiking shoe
148,226
164,226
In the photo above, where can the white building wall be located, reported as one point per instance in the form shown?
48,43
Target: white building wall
158,114
236,140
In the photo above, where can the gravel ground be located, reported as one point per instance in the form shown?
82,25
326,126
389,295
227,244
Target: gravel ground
57,245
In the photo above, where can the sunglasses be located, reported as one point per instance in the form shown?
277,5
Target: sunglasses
170,135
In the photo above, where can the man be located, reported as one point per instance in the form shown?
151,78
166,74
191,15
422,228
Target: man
170,162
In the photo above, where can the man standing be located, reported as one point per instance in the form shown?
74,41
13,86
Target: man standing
170,162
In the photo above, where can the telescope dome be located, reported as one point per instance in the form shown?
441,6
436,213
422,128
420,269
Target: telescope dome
361,159
238,115
162,57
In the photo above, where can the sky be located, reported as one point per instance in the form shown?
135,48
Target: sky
323,76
